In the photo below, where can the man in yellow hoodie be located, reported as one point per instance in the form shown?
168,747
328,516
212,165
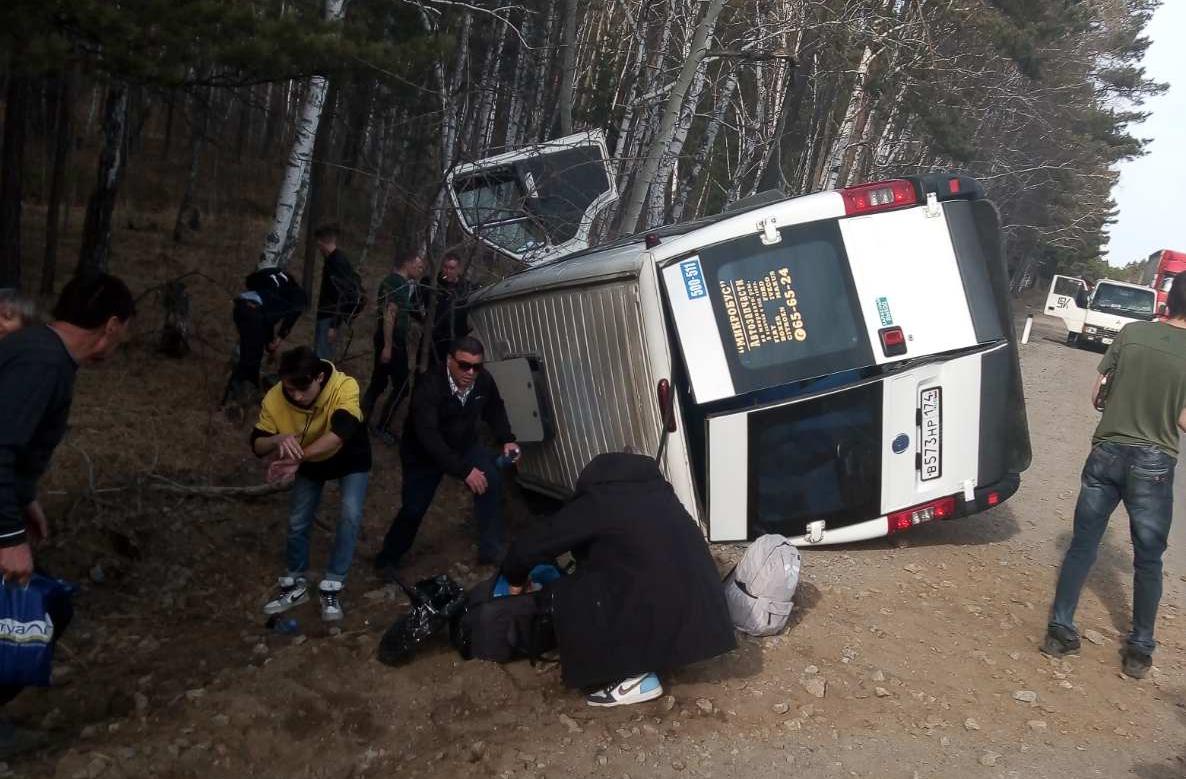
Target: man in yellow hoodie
310,425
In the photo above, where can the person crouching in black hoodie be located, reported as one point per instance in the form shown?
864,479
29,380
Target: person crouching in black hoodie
646,596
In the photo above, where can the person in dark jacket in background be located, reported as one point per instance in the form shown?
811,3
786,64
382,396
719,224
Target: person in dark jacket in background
264,315
339,296
646,597
451,320
442,439
37,370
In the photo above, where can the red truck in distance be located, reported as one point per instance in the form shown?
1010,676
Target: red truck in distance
1161,268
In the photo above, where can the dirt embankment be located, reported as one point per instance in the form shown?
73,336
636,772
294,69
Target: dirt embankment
907,658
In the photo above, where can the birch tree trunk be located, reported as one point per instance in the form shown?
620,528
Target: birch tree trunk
11,171
380,186
689,179
488,102
96,232
662,137
535,124
451,112
847,130
187,213
515,106
317,176
657,206
280,241
568,66
63,134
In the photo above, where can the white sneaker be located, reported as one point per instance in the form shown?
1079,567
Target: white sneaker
331,607
636,689
294,590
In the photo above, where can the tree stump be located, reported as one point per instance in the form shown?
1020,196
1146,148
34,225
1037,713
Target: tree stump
175,333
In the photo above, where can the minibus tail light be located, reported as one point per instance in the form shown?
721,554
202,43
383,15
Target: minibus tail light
881,196
893,341
943,508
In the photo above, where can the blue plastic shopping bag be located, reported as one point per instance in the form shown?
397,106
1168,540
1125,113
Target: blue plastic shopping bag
540,575
27,631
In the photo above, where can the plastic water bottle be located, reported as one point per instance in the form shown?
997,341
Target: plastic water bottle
287,626
505,459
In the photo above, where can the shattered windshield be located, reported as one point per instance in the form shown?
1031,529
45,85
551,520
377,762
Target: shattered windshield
492,204
1132,302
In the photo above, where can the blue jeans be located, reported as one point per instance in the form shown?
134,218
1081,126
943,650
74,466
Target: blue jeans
321,343
419,487
1143,477
302,506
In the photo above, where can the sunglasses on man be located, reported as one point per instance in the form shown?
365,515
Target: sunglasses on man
468,367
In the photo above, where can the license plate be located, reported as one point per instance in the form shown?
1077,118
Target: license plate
931,433
1107,341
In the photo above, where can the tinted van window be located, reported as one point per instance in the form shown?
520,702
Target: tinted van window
786,312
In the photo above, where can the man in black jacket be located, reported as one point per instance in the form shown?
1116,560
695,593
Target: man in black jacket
451,320
646,597
339,297
442,439
264,315
37,368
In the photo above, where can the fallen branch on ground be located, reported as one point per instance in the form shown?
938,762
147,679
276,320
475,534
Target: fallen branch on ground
161,484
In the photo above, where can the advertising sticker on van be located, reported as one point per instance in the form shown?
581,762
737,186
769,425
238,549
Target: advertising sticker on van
883,312
693,278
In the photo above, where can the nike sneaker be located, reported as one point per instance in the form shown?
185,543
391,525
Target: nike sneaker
331,607
293,591
636,689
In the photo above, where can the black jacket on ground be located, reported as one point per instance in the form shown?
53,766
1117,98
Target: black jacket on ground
646,595
440,429
338,296
36,388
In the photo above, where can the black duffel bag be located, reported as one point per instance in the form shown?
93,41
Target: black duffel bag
503,628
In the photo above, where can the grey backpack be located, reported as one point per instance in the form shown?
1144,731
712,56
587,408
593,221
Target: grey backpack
759,589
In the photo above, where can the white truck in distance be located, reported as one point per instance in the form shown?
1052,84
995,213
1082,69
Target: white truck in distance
1096,317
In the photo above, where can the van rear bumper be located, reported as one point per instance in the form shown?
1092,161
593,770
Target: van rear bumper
984,498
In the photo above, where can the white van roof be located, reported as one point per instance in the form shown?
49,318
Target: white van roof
614,262
1124,284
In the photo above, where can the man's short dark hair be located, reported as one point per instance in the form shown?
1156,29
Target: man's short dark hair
467,344
90,300
329,232
1175,301
300,366
451,256
405,260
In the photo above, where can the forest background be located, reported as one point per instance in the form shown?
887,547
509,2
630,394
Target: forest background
193,115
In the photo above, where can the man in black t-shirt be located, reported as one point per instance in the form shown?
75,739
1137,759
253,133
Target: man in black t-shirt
340,295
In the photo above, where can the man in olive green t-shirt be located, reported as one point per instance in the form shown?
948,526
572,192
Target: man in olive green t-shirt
1134,450
393,305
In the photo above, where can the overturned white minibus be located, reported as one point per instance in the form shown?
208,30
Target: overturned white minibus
832,367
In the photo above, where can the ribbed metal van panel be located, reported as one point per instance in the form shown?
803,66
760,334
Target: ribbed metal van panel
589,340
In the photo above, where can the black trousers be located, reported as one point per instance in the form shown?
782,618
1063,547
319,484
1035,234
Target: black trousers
394,373
254,335
420,482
